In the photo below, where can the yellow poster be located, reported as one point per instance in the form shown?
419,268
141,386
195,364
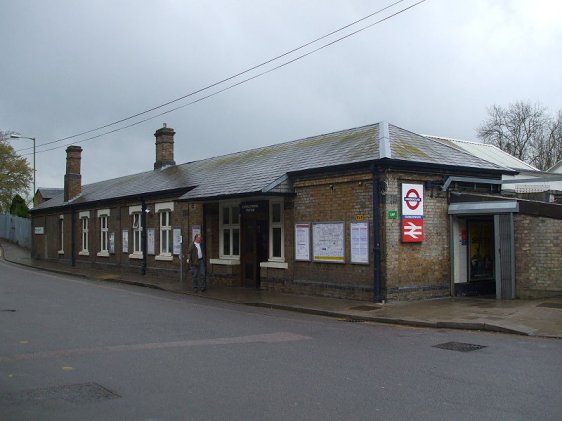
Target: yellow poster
481,238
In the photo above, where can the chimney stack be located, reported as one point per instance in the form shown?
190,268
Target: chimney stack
164,147
72,178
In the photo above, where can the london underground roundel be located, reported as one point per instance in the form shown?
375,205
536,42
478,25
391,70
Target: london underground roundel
412,199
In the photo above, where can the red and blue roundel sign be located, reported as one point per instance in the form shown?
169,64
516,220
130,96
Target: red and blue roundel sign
412,199
412,213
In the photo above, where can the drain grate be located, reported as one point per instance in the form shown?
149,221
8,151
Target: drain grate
551,305
459,346
74,393
353,320
364,308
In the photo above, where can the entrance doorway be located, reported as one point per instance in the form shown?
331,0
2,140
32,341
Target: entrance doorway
474,270
482,248
254,241
481,253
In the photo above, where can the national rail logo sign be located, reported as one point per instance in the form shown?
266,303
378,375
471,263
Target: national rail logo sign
412,213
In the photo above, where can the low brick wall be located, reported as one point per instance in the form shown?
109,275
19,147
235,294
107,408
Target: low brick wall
538,256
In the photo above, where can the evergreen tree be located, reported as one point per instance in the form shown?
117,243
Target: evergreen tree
19,207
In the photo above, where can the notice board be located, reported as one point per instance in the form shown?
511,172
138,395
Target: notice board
359,242
125,241
302,242
150,241
177,241
328,242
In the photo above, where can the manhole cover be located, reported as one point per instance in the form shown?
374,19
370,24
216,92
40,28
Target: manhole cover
75,393
459,346
364,308
551,305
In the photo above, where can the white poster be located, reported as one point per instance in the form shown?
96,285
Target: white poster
177,241
150,234
125,241
112,242
195,229
360,242
328,242
302,242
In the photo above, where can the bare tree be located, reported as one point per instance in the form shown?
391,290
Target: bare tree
553,148
15,173
525,131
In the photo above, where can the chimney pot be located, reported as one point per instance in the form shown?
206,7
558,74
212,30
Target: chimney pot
72,178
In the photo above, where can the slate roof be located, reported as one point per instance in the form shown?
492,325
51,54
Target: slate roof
49,193
265,169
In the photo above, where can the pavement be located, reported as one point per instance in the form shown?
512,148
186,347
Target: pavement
539,317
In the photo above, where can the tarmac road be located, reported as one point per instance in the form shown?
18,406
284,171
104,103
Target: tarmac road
533,317
73,348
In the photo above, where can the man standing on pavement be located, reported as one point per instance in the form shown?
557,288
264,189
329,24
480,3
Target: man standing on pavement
196,261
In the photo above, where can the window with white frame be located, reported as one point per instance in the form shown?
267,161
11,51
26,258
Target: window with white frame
166,244
230,230
84,223
137,233
164,211
103,216
61,234
104,240
276,231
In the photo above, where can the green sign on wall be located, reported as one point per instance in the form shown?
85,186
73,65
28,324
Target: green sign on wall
392,214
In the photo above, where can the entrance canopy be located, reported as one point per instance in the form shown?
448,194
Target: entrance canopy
484,208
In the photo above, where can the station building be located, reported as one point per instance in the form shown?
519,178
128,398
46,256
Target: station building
372,213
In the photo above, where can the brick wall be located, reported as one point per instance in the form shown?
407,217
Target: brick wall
321,199
538,256
47,246
415,270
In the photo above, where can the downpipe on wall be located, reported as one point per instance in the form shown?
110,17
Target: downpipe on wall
377,275
143,235
72,236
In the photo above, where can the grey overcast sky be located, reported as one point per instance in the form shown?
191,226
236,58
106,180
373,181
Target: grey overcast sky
69,66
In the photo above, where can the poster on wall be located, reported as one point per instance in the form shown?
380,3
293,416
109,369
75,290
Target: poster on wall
195,229
125,241
150,241
177,241
112,242
359,242
302,242
412,213
328,242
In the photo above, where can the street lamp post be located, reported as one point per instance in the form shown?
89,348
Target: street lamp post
17,136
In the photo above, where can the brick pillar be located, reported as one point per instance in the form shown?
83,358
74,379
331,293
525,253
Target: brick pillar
72,178
164,147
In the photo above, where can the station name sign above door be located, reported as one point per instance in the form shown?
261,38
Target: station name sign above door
412,213
253,207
